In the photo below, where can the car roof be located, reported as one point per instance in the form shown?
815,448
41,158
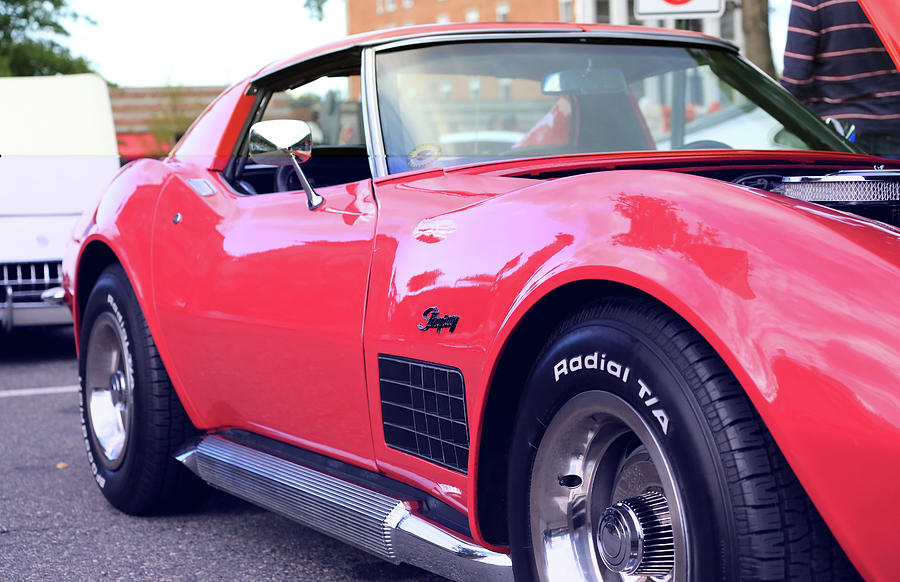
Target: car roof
438,31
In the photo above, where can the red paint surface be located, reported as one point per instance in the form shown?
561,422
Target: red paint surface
885,17
789,294
261,305
209,142
270,317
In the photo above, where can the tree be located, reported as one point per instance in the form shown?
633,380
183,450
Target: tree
27,47
173,117
757,42
316,8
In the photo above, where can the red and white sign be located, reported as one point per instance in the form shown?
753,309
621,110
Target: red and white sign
653,9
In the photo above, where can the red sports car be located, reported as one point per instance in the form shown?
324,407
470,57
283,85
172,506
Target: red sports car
537,302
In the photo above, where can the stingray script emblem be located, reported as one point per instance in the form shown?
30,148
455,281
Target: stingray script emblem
434,320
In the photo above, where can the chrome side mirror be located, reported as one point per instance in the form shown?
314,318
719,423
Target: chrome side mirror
285,142
275,142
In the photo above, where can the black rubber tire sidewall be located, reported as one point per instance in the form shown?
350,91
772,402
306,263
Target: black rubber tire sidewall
685,439
113,294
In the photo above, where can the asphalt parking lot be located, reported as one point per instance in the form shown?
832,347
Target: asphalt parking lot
55,525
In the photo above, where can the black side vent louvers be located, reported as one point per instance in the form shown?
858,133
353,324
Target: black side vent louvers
423,407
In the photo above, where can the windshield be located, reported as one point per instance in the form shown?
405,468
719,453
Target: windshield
444,105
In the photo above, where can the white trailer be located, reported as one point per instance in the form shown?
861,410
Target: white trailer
58,151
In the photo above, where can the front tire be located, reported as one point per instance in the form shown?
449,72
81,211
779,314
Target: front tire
132,420
637,456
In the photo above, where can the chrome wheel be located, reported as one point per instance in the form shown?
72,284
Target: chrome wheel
604,503
109,389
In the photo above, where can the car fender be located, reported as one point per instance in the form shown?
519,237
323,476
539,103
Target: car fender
123,226
797,299
129,203
793,296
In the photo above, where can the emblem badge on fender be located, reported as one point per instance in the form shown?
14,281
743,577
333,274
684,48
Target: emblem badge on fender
434,320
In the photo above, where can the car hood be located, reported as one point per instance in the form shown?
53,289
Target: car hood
53,185
25,239
885,17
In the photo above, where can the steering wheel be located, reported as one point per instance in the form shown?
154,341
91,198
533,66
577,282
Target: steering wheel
286,179
705,144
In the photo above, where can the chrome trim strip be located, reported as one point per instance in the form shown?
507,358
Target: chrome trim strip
565,35
54,295
327,504
371,117
422,544
188,455
434,36
202,187
374,522
8,322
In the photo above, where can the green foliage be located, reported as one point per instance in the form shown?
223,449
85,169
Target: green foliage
27,46
173,118
305,100
316,8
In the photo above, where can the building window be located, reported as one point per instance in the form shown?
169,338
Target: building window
390,5
379,6
502,12
505,86
472,15
446,90
694,25
602,11
442,18
475,88
632,19
407,4
727,21
565,10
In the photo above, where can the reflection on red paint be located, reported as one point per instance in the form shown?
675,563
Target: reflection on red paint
696,242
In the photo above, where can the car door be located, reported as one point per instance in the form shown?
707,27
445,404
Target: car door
262,300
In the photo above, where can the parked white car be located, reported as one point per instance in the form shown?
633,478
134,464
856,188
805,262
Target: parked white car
58,151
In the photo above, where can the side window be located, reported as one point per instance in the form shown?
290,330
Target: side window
332,107
692,108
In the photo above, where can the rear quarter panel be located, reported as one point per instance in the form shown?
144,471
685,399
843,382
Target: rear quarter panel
798,300
124,222
128,206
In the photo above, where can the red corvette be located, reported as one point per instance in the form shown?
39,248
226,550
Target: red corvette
532,302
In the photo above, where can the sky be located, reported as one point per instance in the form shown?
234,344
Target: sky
219,42
195,42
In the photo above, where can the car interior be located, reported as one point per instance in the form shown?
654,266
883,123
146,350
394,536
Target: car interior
326,97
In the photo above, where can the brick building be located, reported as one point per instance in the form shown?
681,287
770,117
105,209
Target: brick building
365,15
149,120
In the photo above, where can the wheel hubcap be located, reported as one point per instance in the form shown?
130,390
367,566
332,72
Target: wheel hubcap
635,536
109,389
604,502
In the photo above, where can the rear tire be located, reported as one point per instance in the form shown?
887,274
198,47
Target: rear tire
637,456
132,421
